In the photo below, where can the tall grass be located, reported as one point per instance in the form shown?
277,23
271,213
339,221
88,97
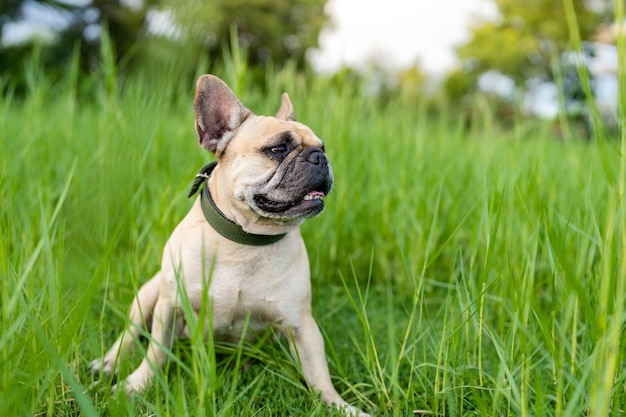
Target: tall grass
455,272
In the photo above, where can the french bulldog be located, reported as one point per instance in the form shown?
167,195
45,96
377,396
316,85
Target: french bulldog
240,242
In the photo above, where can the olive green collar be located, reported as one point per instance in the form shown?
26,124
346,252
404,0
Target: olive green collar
225,227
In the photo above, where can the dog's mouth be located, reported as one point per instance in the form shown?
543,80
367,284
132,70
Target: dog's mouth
298,191
309,205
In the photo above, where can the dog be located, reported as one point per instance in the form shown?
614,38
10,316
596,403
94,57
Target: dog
240,241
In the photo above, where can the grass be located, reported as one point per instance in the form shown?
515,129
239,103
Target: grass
455,272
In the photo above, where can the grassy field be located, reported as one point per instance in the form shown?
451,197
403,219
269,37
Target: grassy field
455,271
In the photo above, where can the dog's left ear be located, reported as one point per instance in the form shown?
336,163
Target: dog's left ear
218,112
286,109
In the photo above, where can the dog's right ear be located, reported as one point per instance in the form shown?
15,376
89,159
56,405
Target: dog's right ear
286,109
218,113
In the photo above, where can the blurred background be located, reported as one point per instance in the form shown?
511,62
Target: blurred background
514,56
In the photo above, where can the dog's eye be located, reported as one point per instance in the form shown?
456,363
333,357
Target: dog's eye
280,149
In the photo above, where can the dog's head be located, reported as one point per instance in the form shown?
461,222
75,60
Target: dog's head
272,170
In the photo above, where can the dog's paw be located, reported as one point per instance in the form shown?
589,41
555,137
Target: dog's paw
102,366
128,389
350,411
355,412
135,383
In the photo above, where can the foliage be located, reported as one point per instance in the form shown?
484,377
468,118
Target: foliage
72,25
529,43
459,84
413,81
272,31
189,33
524,41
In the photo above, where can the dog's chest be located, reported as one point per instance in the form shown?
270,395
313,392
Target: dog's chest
254,292
241,304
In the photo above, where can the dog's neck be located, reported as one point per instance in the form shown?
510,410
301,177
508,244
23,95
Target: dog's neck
220,223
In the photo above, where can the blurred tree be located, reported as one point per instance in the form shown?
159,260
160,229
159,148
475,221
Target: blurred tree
272,31
459,83
523,43
526,38
412,81
56,27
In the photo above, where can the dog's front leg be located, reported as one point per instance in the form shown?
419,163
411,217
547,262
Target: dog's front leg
141,311
167,324
309,348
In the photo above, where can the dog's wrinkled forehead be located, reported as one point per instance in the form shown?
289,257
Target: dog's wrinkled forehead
266,131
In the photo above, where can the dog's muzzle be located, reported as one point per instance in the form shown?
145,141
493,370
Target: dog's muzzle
306,181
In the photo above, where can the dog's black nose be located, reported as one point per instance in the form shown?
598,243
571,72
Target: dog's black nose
314,156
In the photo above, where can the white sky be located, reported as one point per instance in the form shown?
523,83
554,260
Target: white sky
401,33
